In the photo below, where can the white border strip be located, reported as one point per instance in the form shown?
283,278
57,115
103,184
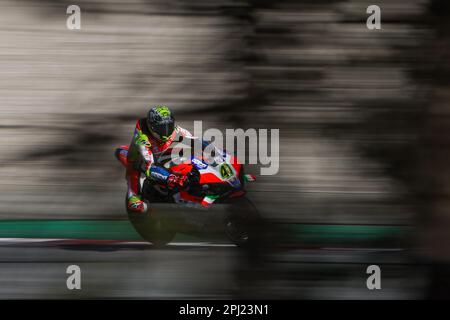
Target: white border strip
112,243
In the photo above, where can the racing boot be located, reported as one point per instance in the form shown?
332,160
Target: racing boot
135,204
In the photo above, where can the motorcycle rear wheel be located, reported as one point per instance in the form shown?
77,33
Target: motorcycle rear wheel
152,227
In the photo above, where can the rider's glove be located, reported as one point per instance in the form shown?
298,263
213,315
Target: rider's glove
174,181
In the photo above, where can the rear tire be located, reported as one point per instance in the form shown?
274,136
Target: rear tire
153,227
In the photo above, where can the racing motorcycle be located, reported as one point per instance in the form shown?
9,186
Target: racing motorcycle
217,178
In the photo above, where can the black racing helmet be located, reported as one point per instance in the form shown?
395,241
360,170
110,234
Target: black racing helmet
160,122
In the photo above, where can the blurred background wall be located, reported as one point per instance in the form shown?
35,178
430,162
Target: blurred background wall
346,99
363,114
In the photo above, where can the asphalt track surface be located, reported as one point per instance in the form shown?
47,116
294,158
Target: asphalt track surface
36,268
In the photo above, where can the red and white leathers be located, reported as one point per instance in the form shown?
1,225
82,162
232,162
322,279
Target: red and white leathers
143,150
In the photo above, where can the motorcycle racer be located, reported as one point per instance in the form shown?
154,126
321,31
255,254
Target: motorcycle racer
152,136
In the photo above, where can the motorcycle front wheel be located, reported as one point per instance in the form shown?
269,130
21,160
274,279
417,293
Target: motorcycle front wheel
243,223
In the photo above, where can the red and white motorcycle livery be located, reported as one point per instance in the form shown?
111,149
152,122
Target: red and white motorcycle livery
216,179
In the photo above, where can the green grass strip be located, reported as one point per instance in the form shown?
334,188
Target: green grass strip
69,229
123,230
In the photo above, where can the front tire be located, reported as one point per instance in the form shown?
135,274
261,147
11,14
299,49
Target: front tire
243,223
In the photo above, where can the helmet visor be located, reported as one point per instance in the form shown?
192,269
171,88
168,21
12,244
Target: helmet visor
163,131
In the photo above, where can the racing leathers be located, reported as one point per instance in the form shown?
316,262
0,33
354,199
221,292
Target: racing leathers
143,151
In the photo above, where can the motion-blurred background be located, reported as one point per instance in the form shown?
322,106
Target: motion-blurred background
363,119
